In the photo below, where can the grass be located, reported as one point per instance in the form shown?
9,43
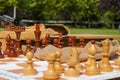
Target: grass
1,29
95,31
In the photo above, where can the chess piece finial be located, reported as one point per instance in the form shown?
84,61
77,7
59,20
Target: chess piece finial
105,65
72,72
58,65
29,70
117,61
1,54
91,68
7,50
51,73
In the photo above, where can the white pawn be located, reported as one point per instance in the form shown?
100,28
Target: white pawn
105,65
29,70
58,66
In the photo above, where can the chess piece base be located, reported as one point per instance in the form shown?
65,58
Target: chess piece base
50,76
106,69
117,62
1,56
79,67
12,55
71,72
58,67
29,72
92,72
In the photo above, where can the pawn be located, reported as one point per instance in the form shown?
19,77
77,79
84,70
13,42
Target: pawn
117,61
58,66
7,50
60,41
51,73
12,49
1,55
29,70
105,65
71,41
55,42
92,69
72,72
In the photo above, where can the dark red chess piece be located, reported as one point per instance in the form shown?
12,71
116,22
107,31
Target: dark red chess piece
47,37
37,33
82,42
7,50
18,49
1,54
37,45
55,42
18,31
28,47
12,49
60,41
46,40
71,41
93,41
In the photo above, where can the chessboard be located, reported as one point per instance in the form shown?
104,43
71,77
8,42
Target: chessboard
12,69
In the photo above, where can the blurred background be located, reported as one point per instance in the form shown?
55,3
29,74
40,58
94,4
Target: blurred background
74,13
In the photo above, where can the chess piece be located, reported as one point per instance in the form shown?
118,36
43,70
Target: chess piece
82,42
18,49
28,47
78,67
46,41
37,32
117,61
89,55
51,73
55,42
47,37
7,50
18,31
1,54
60,41
12,49
72,72
58,66
71,41
29,70
37,45
105,65
92,69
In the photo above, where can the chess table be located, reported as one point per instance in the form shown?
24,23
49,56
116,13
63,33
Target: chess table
12,69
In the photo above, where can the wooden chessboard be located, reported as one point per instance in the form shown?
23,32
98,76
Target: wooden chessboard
12,68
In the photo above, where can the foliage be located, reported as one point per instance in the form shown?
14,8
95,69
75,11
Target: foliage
75,10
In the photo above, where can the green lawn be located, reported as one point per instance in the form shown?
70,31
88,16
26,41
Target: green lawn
94,31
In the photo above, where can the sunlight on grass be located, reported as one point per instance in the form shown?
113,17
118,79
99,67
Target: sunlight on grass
95,31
